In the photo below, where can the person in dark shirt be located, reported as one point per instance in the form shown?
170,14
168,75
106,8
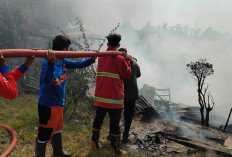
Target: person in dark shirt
131,95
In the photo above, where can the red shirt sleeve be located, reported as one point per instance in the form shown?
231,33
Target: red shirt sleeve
8,86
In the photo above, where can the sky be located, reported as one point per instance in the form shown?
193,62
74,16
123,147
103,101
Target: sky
166,67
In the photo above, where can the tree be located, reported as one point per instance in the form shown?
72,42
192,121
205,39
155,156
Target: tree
200,70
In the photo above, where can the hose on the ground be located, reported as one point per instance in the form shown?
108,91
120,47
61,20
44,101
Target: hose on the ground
13,142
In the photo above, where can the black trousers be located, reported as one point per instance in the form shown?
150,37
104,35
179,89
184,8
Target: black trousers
129,108
115,116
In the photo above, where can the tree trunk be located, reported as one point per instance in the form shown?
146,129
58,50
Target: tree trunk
207,117
202,115
202,107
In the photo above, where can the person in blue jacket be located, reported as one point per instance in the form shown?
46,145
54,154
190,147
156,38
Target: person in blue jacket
52,96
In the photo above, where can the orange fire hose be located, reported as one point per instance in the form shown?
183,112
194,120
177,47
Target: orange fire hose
14,140
9,53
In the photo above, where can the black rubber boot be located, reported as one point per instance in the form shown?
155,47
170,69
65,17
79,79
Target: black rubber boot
125,138
95,139
115,145
57,146
40,149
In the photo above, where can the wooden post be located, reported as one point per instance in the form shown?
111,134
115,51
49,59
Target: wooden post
227,121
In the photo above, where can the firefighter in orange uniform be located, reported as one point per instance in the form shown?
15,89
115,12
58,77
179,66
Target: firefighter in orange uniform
109,93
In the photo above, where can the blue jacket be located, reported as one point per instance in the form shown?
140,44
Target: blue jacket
53,80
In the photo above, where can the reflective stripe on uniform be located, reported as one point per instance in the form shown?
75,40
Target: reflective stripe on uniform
106,74
110,101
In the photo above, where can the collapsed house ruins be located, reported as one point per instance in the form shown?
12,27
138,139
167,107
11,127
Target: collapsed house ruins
161,127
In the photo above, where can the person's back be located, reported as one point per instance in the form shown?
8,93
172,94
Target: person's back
109,93
109,84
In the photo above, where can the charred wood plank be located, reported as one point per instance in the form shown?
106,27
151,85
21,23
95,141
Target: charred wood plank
187,119
196,121
195,144
218,140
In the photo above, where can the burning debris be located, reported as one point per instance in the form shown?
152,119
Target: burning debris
183,136
157,144
163,138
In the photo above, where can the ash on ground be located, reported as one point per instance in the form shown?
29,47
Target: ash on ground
175,137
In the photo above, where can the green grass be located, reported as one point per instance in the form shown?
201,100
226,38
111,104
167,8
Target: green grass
21,114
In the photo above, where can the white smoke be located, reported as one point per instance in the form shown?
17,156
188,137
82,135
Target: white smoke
164,64
165,67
